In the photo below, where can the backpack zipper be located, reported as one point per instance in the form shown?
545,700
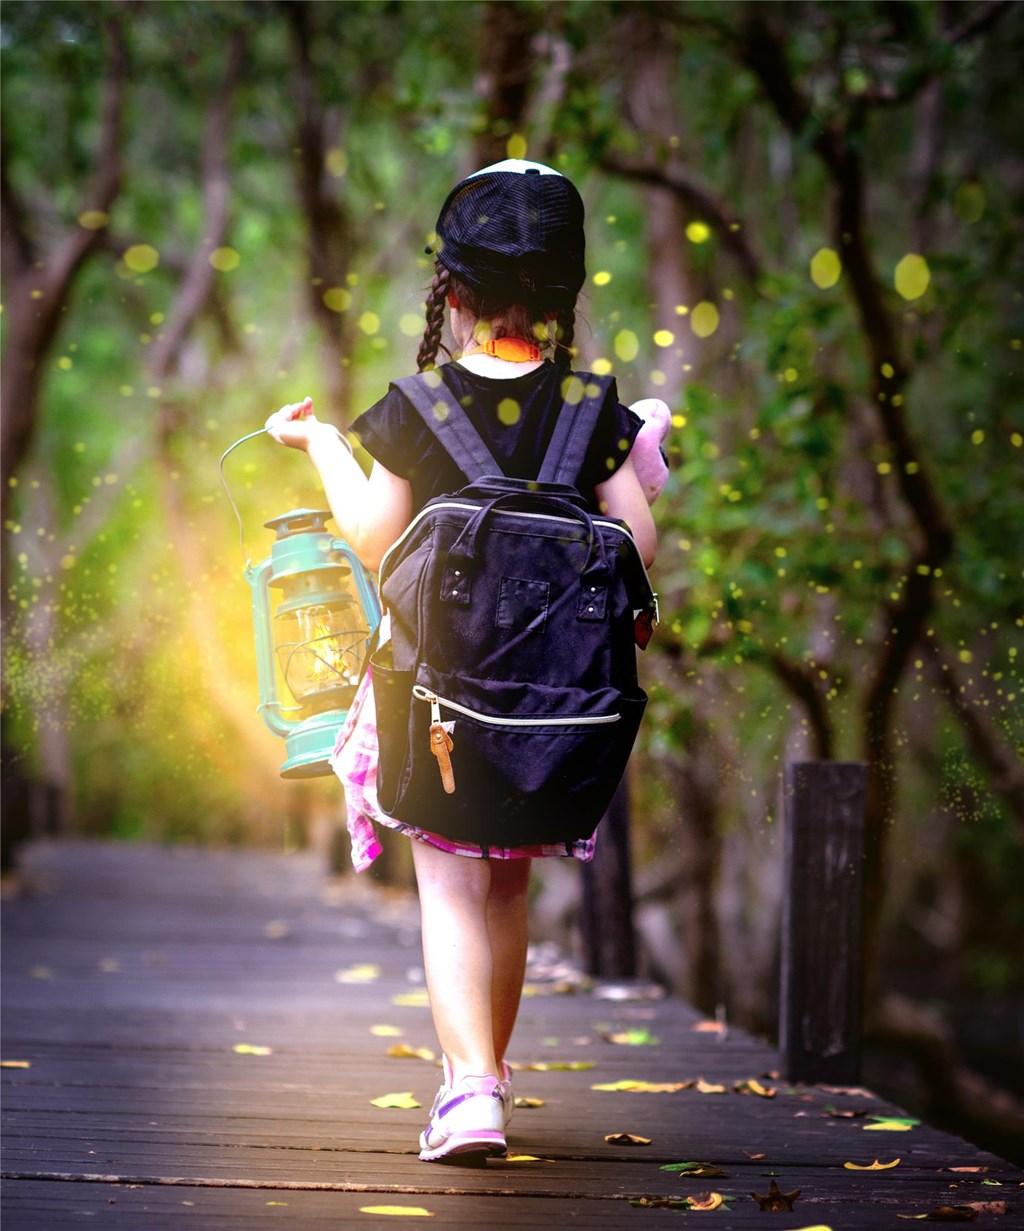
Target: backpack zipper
453,504
424,694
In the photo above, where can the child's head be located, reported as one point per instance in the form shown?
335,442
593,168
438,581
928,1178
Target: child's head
510,248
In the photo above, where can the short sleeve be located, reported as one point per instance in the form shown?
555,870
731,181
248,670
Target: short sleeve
393,436
616,430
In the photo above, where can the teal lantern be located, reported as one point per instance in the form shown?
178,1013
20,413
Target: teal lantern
315,612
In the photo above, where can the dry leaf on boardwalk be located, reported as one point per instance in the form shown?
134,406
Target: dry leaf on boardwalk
639,1036
752,1086
399,1211
708,1087
387,1032
411,1000
626,1139
553,1066
402,1051
891,1124
943,1213
252,1049
686,1170
523,1100
775,1200
875,1166
15,1064
706,1201
660,1203
403,1101
643,1087
366,972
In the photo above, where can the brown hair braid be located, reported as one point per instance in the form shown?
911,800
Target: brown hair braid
435,305
565,332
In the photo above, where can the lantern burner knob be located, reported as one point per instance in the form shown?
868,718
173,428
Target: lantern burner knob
299,521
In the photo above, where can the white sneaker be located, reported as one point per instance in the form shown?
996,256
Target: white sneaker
468,1117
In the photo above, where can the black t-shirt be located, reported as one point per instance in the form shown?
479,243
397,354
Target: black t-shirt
515,418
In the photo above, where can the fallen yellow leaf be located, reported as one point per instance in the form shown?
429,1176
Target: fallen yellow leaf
752,1086
367,972
403,1101
709,1087
525,1158
252,1049
644,1087
411,1000
875,1166
402,1051
525,1101
553,1066
708,1027
626,1139
15,1064
386,1032
888,1126
399,1211
706,1201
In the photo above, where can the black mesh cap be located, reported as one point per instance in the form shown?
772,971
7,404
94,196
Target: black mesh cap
514,231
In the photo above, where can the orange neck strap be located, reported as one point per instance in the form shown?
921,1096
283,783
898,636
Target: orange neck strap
512,350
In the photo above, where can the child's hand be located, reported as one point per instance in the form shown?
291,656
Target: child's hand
295,425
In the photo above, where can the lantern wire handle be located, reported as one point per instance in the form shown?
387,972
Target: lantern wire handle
227,491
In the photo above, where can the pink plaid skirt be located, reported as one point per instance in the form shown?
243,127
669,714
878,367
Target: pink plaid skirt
354,760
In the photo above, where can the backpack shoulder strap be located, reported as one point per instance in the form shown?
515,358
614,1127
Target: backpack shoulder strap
441,411
584,395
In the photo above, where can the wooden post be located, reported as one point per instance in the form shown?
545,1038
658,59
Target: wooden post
820,998
609,945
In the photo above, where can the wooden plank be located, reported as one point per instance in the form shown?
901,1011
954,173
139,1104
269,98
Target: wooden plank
135,1096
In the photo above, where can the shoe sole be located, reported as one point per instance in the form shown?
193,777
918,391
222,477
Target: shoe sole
486,1144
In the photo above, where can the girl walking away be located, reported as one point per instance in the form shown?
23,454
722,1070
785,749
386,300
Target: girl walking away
509,265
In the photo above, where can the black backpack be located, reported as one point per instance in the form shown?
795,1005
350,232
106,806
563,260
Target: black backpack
507,697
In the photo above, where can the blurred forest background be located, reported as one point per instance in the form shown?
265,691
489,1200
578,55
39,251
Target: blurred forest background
804,232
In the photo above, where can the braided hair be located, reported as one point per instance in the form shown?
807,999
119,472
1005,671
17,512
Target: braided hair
436,297
551,324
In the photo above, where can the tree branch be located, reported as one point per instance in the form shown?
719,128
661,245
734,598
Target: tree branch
197,284
802,683
699,199
36,296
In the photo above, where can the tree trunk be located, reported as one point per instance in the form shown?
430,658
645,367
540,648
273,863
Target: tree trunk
37,286
504,78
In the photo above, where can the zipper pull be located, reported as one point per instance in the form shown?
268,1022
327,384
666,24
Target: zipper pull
441,745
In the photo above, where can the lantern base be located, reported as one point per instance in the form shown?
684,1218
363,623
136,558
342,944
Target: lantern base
310,743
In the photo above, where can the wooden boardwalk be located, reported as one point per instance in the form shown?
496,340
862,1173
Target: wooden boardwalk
193,1040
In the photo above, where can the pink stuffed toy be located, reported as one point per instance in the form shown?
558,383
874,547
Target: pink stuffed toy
648,456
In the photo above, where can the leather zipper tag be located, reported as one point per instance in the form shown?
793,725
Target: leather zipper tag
441,745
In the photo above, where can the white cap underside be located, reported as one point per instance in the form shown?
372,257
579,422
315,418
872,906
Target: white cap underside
516,164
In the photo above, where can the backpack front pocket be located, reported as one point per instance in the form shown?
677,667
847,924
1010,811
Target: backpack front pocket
530,764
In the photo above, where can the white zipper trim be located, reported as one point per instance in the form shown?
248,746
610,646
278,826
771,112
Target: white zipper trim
424,694
454,504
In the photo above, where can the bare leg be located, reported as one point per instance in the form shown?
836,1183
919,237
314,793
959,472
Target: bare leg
474,950
507,923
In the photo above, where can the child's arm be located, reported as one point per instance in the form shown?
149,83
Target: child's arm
622,496
370,512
